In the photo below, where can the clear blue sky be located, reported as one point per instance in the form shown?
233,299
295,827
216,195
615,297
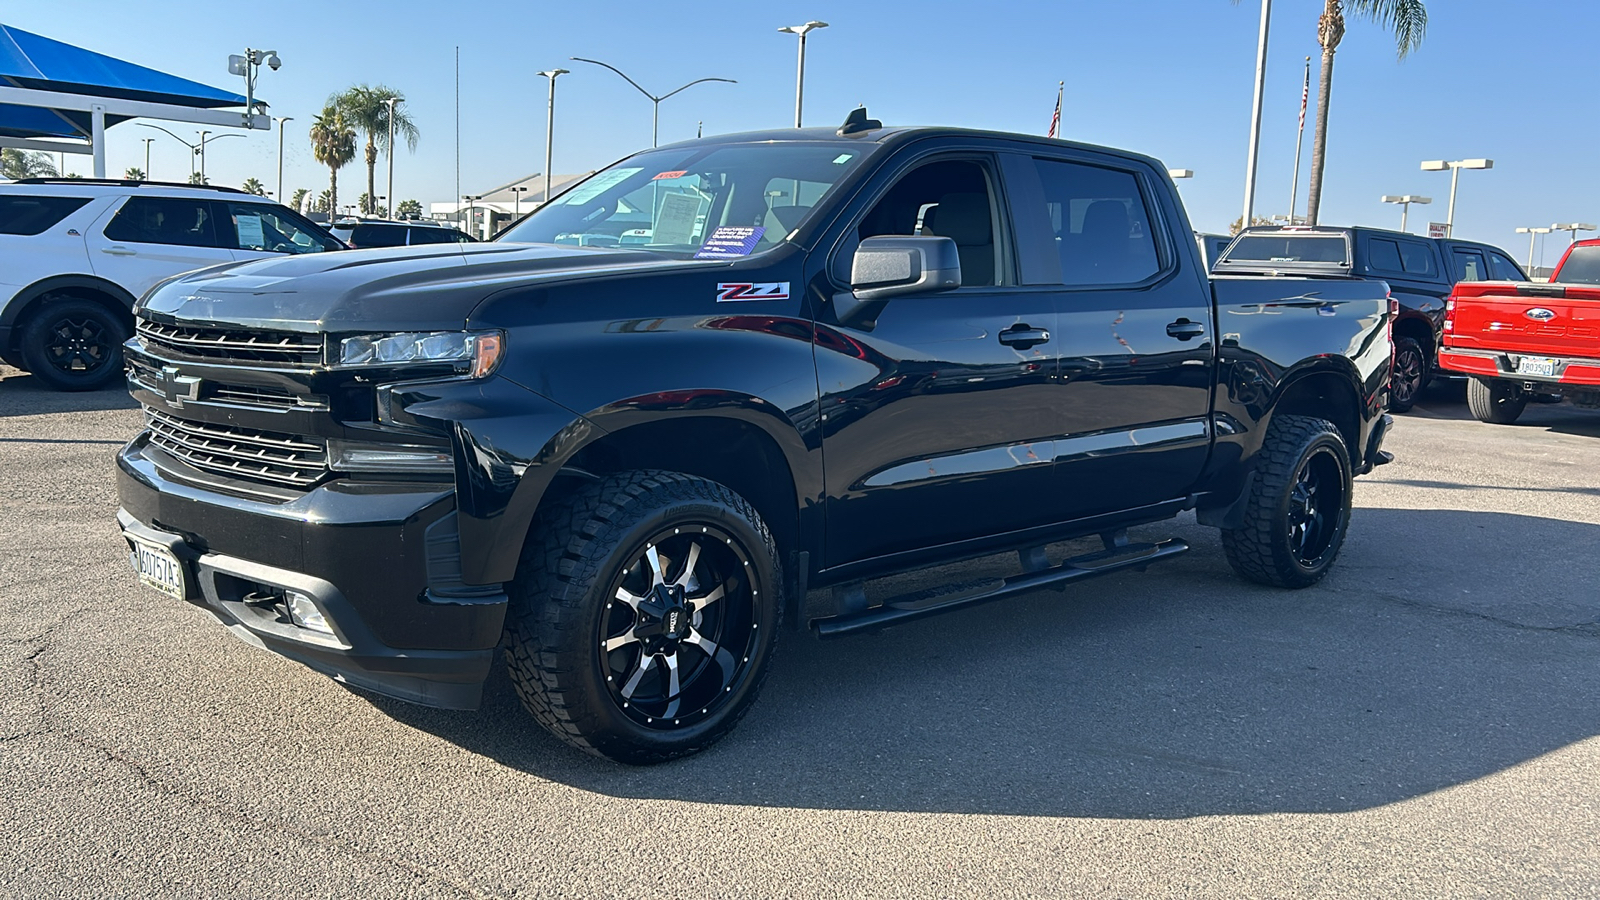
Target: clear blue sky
1171,78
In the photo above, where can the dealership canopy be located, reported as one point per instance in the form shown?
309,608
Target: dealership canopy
60,98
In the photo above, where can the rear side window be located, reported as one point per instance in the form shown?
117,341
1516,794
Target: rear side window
1468,265
1415,258
164,220
1503,269
432,236
1289,248
33,215
1384,254
365,236
1582,266
1100,222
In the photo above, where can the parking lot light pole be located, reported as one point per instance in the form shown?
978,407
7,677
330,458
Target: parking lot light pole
147,143
390,102
1405,205
800,74
1255,118
1573,228
280,120
550,128
1533,235
1455,167
516,202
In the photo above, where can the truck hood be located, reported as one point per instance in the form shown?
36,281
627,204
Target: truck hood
401,289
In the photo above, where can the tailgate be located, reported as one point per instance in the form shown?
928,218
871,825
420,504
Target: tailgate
1546,319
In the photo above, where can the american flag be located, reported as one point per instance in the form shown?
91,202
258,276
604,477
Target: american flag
1055,120
1305,96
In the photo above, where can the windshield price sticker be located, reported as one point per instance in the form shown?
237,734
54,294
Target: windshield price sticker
669,175
731,242
599,184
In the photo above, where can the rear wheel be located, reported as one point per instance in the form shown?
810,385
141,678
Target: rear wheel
644,614
1410,374
1495,401
74,345
1299,505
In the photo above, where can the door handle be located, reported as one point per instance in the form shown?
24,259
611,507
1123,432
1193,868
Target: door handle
1023,336
118,251
1183,329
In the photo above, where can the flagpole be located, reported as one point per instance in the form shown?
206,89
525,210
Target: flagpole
1305,95
1055,120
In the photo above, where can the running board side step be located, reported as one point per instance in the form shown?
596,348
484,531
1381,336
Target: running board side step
928,603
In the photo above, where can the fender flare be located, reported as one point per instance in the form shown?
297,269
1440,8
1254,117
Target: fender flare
24,298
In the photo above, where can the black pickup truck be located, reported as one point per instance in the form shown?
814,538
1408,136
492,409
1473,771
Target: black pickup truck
1420,272
636,436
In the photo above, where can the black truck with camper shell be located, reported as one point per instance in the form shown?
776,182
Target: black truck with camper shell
1420,272
630,440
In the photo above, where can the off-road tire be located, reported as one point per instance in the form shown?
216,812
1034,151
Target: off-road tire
57,331
577,554
1410,374
1495,400
1263,550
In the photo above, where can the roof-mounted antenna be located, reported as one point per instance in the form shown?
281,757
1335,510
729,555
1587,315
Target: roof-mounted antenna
858,123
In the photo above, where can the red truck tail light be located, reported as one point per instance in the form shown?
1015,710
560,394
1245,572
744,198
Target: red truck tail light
1450,315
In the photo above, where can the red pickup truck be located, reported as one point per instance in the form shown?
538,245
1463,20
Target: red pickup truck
1520,339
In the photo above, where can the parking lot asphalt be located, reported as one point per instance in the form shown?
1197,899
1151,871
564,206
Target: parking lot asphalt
1422,723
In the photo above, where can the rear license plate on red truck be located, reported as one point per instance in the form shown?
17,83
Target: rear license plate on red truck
1536,365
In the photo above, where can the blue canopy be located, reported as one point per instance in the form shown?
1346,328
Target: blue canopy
28,60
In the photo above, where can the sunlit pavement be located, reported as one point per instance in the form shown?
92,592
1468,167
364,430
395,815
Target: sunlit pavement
1423,723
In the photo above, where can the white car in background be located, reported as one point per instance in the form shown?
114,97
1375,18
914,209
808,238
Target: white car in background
76,253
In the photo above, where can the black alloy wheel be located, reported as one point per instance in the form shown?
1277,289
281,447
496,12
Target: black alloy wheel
644,615
1410,374
1298,509
74,345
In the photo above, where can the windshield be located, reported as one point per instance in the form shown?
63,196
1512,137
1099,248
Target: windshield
1582,266
701,202
1288,248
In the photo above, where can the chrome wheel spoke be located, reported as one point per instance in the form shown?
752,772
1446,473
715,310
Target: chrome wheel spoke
620,641
629,599
673,687
688,566
646,663
710,648
703,602
653,557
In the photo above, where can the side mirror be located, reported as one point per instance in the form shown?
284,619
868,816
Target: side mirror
885,267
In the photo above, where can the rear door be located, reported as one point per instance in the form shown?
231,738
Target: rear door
152,238
1468,264
1134,335
263,230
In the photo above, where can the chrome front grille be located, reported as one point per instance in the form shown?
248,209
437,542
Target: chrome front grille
262,396
278,347
249,453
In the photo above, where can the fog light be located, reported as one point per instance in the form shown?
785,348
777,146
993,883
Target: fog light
305,613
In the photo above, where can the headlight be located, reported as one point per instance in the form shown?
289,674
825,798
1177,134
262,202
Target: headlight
477,351
349,456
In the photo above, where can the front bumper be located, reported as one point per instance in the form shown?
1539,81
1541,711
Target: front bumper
381,560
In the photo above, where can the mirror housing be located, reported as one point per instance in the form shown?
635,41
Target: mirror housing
893,266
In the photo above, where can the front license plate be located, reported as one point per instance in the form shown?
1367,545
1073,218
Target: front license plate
158,568
1536,365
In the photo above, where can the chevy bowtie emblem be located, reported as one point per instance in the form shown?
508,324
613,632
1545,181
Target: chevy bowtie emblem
1540,314
177,388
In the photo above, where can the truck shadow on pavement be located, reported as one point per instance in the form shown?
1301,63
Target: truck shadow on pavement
22,394
1181,692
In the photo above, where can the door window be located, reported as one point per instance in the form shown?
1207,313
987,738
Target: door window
949,198
1468,265
164,220
266,228
1100,222
1503,269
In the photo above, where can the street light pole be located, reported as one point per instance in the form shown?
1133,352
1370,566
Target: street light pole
1405,205
1255,118
202,153
280,120
655,109
550,127
147,143
800,72
1533,235
516,203
1574,228
390,102
1455,167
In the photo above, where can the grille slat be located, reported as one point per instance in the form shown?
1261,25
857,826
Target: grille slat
239,452
246,346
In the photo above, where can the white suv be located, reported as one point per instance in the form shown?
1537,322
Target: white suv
76,253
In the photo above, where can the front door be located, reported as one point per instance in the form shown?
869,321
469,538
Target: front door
937,415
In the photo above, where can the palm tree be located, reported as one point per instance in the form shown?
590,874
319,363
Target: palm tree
367,110
196,178
253,185
1406,19
134,173
299,198
333,143
16,164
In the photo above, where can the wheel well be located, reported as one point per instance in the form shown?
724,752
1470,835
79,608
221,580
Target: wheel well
1419,330
105,298
1326,396
733,453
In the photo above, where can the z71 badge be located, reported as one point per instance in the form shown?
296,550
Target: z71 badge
772,290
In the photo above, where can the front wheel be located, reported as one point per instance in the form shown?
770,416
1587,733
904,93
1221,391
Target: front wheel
1410,374
1299,505
1495,401
74,345
644,614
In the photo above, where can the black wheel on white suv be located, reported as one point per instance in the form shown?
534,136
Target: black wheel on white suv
74,345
